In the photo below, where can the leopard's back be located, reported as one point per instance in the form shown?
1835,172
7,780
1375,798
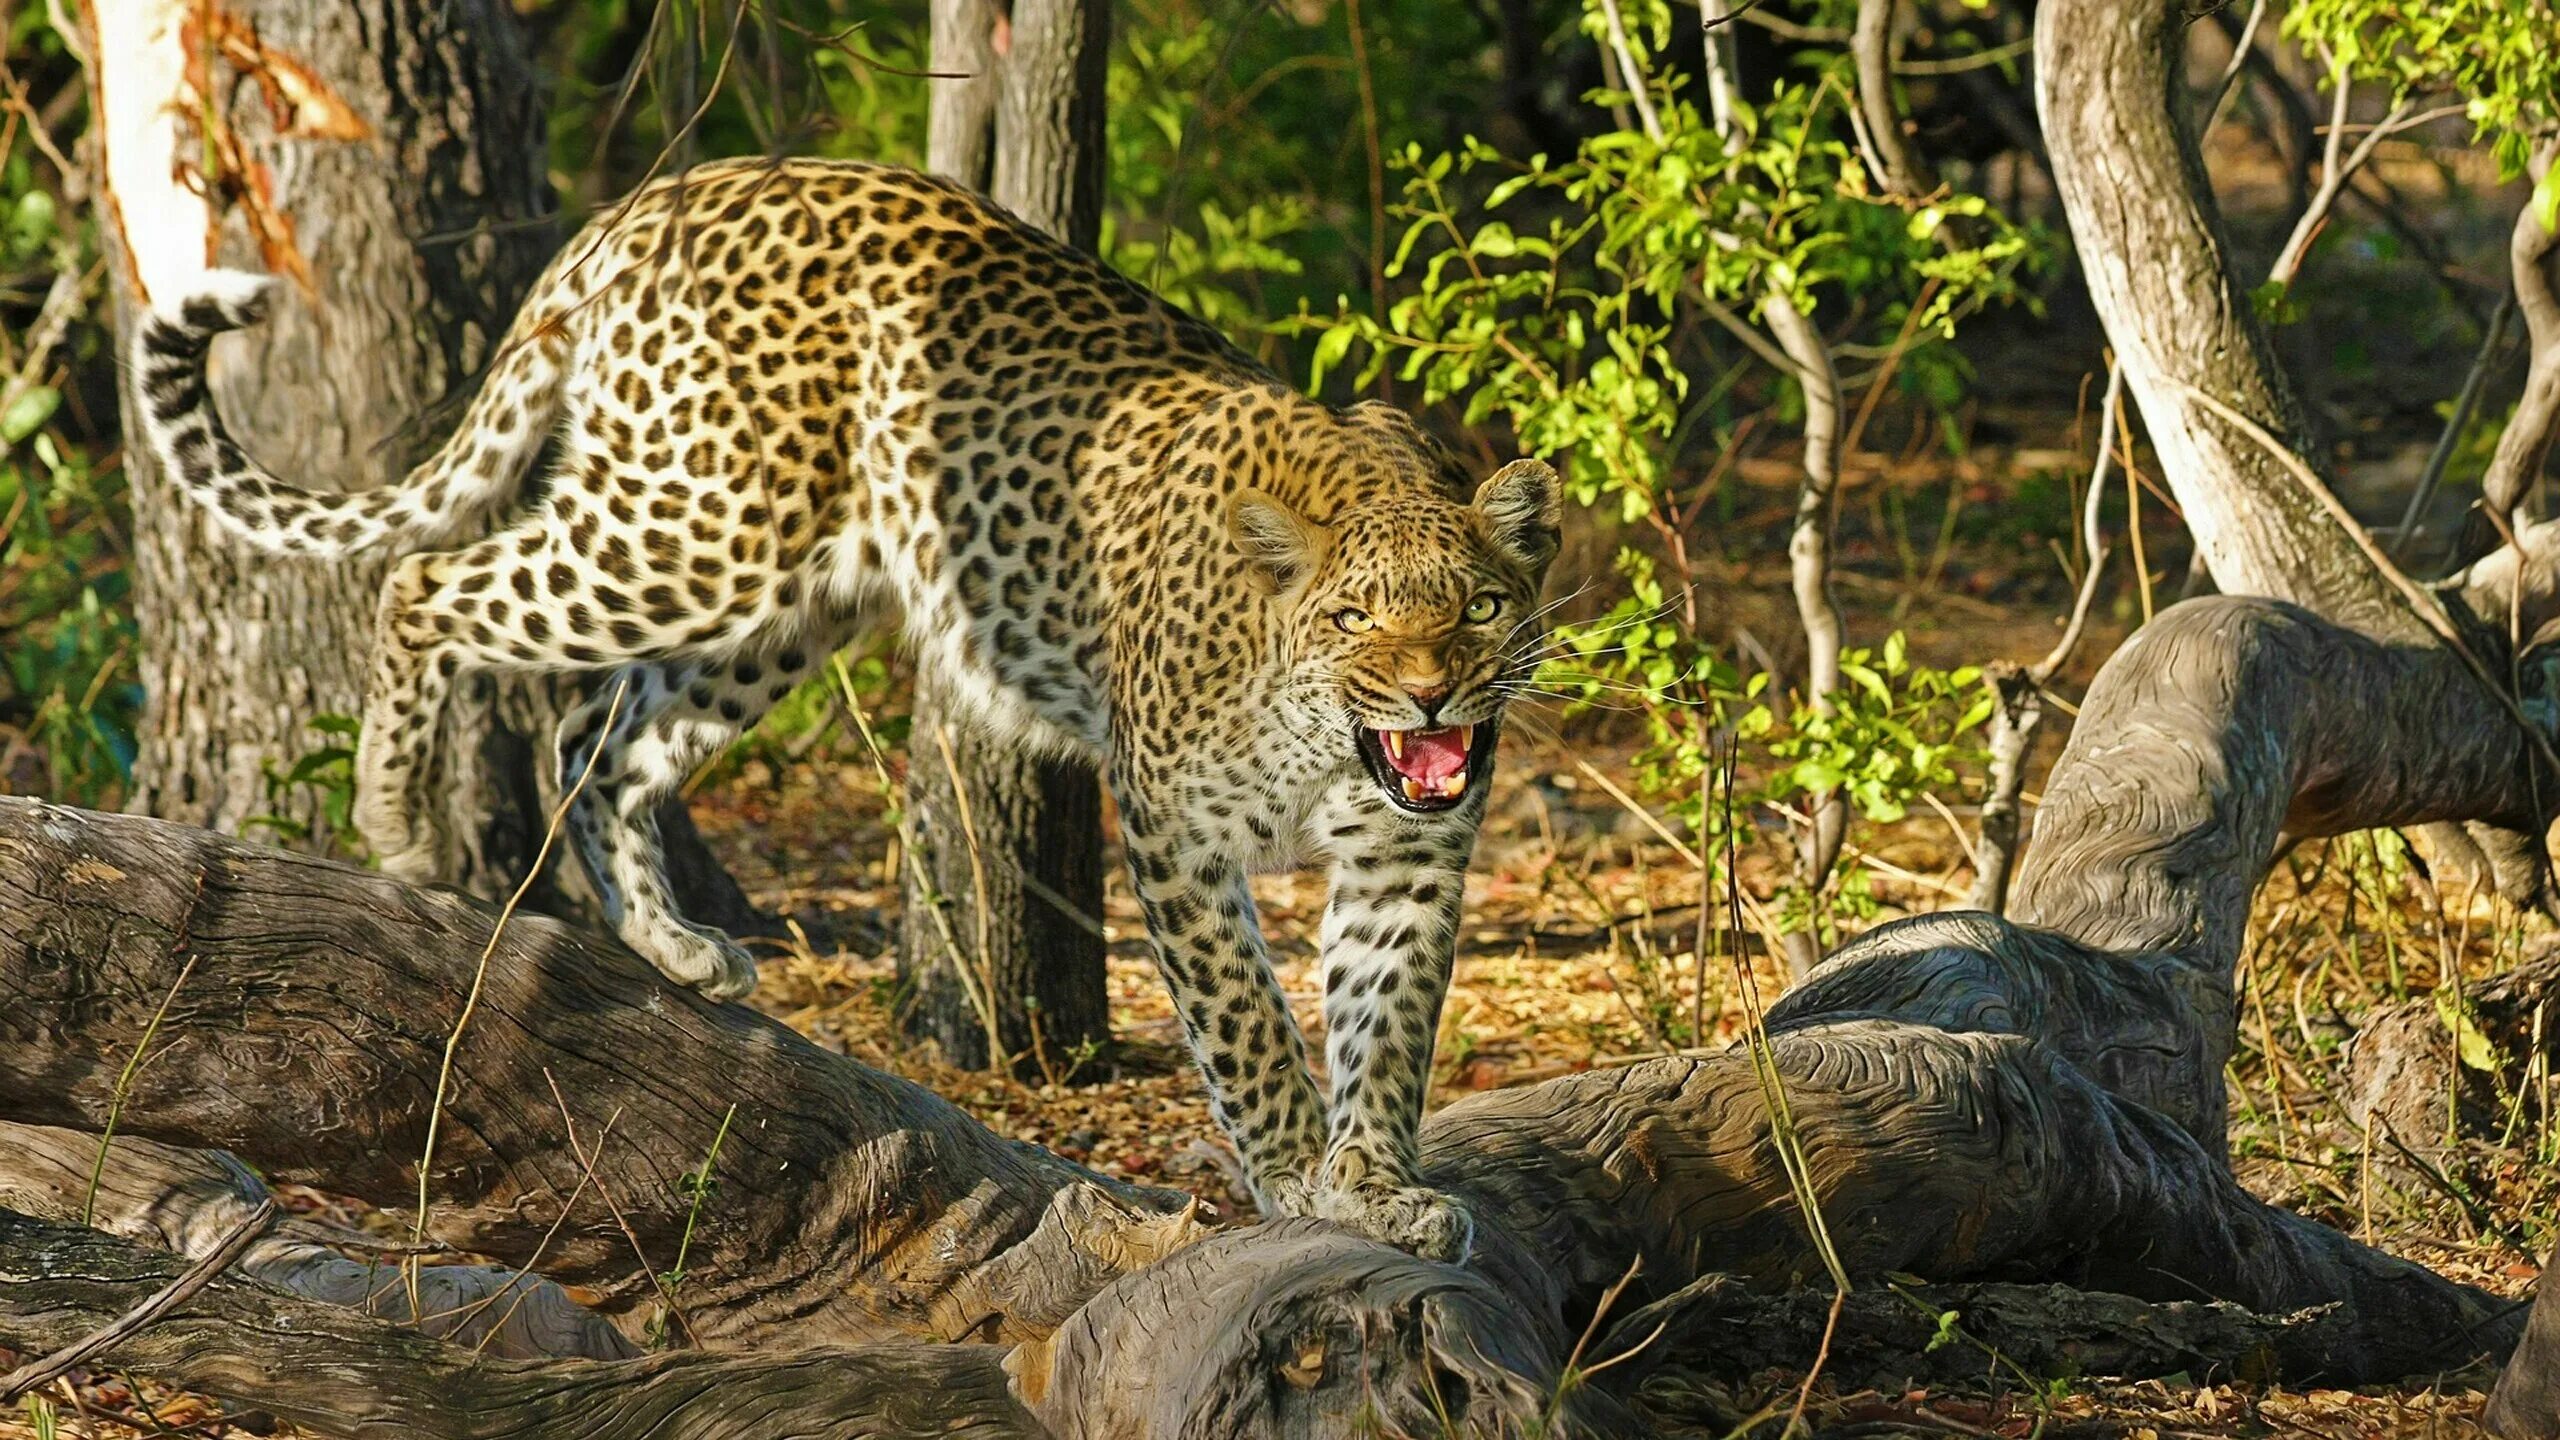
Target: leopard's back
811,383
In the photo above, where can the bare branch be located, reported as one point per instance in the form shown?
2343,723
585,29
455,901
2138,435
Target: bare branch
2229,85
2464,402
141,1317
2533,252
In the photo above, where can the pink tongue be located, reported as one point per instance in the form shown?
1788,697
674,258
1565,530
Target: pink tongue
1430,754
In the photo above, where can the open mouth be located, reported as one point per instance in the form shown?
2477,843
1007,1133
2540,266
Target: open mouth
1427,770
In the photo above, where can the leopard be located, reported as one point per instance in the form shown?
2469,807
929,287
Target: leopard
759,402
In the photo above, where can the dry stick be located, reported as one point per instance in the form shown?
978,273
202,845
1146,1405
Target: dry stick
612,1204
232,1246
2229,84
515,1285
2463,404
2133,511
480,971
1821,1357
2013,737
908,853
2428,608
1641,813
2091,540
133,1066
986,987
2335,172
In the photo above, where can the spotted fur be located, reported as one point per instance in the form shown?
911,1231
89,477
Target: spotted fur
781,393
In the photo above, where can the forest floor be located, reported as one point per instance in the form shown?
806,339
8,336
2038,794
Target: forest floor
1580,949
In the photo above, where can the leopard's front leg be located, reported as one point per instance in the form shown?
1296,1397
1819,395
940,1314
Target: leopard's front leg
1209,947
1390,935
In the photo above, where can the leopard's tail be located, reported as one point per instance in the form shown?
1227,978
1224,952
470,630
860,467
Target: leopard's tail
481,468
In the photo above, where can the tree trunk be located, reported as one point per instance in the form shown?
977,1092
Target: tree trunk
420,236
2526,1404
2111,86
1002,948
420,241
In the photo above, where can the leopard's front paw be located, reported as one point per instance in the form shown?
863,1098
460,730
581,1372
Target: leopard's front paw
1286,1196
695,955
1425,1222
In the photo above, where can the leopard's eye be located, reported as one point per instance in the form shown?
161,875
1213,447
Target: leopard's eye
1354,622
1483,608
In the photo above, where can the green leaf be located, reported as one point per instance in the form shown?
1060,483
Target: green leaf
2546,200
27,415
1331,347
2477,1050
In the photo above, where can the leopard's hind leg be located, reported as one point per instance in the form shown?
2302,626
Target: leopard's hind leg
419,646
521,600
665,720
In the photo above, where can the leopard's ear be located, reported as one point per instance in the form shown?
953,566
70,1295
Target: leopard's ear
1280,545
1523,510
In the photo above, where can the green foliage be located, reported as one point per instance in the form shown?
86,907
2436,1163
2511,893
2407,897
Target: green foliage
66,672
875,90
1216,261
66,675
1578,321
1894,732
2496,57
327,770
1585,303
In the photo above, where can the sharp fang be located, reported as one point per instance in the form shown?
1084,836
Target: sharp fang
1412,788
1395,742
1467,737
1455,784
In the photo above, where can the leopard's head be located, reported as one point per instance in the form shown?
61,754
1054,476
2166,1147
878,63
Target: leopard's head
1414,622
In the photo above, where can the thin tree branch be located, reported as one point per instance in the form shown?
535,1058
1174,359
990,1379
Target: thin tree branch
141,1317
2467,400
2229,84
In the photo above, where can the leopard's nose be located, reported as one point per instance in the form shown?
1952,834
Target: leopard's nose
1429,694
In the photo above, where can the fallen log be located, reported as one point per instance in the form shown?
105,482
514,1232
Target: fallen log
2526,1403
336,1372
186,1201
1974,1098
299,1011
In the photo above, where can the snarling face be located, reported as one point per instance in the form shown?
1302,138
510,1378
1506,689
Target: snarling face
1415,620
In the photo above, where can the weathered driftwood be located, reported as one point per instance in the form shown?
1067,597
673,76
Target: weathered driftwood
2526,1404
2111,89
307,1010
338,1373
1975,1098
342,1373
188,1200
